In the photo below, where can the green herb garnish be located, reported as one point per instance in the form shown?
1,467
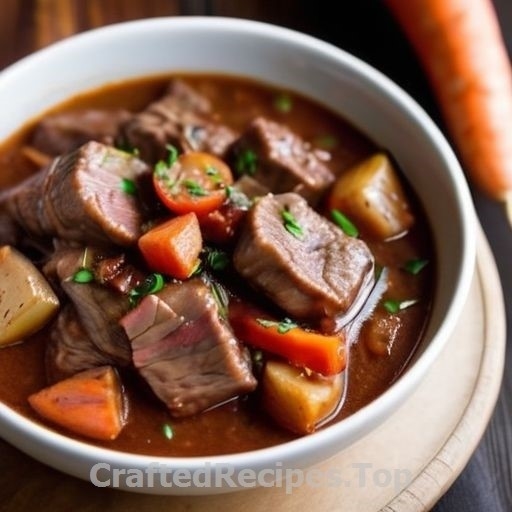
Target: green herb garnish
291,224
282,327
283,103
217,259
415,266
394,306
213,173
128,186
246,162
167,431
152,284
326,141
221,298
83,276
162,166
343,222
194,189
172,154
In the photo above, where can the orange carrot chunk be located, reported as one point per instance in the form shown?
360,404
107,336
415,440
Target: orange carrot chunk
90,403
320,353
461,48
173,247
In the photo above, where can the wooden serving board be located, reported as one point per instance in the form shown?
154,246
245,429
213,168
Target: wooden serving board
405,465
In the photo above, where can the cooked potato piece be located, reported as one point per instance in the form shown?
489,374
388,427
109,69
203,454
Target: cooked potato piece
296,400
371,195
27,301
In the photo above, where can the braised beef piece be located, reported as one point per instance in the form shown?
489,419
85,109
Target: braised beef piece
61,133
98,307
315,272
80,198
10,232
117,273
280,160
70,349
182,118
185,351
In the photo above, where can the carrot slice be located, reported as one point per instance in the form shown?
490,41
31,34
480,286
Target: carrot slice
173,247
461,48
90,403
321,353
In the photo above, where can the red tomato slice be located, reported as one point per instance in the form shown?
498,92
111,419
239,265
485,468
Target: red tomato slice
195,182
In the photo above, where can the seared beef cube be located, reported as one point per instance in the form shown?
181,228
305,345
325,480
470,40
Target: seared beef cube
99,308
180,118
70,350
185,351
66,131
314,272
280,160
118,274
80,197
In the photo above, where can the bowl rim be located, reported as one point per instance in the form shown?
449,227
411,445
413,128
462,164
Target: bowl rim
355,425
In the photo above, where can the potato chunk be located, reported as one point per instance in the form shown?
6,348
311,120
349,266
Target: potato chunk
371,195
27,301
296,400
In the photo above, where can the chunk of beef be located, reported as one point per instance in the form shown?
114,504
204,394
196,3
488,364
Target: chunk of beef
64,132
117,273
280,160
80,198
70,350
180,118
185,351
318,274
99,308
10,232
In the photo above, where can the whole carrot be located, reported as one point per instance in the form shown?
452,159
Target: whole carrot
460,46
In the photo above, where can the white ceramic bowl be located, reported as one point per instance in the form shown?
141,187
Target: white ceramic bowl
362,95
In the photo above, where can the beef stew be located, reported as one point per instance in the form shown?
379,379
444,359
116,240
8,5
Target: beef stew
256,290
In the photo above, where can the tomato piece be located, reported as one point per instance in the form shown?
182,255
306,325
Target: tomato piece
195,182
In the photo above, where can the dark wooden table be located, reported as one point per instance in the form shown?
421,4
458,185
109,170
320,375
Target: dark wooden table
365,29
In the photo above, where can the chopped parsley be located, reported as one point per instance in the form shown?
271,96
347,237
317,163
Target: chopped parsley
194,189
152,284
167,431
83,276
162,166
291,224
217,259
246,162
213,173
221,298
283,327
128,186
415,266
344,223
394,306
283,103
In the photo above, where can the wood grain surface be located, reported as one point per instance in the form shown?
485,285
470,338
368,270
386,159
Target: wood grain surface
27,25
